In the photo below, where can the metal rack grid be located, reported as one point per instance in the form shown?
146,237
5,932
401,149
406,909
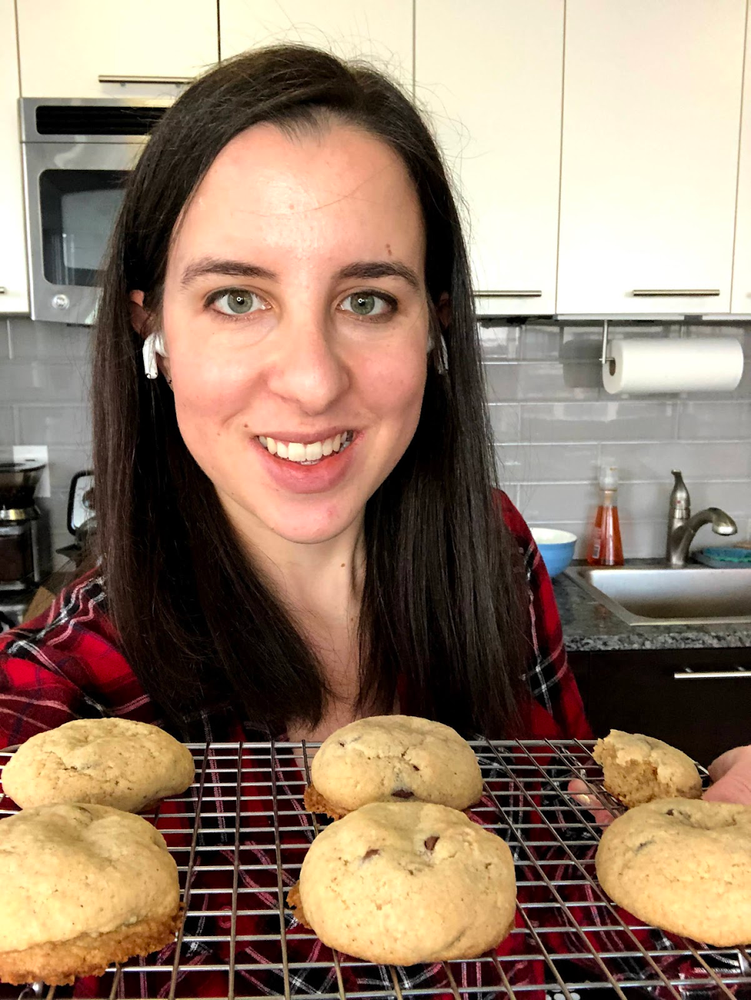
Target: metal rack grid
241,831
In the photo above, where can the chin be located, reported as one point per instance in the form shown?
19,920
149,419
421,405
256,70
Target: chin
310,523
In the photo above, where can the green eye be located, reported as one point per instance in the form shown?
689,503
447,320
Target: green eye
235,302
370,306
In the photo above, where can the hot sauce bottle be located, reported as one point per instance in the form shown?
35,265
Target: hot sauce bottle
605,548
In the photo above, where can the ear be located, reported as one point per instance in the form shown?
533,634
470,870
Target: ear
444,309
139,318
138,315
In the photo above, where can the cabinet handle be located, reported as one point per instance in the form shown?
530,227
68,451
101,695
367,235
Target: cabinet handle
675,292
147,79
709,675
3,290
509,293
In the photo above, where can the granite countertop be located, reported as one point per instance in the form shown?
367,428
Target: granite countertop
589,626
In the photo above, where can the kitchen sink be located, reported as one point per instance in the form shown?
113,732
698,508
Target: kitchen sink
661,595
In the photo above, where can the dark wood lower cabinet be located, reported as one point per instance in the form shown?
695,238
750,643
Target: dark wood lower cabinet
698,700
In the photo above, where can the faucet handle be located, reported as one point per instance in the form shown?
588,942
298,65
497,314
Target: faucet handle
679,497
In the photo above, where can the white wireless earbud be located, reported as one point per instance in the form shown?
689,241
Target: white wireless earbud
153,345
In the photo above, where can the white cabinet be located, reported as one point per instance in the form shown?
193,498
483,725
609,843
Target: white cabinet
741,300
14,297
490,76
65,47
379,32
650,152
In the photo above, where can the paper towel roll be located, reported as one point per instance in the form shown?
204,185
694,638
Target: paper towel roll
700,364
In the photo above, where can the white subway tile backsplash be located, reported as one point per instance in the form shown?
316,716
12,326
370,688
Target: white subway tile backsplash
62,425
7,428
501,382
32,339
715,420
697,460
504,419
548,503
43,382
598,420
547,463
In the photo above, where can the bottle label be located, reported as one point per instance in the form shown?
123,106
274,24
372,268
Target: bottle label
596,544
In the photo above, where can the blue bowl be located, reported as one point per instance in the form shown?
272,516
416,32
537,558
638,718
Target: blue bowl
556,548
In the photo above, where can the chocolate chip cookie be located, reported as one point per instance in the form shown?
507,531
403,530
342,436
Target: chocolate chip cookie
406,882
390,758
683,866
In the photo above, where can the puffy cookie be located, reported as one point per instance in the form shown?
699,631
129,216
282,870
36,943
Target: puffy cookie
114,762
638,769
392,757
406,882
683,866
82,886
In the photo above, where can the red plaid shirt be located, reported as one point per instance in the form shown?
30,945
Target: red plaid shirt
67,664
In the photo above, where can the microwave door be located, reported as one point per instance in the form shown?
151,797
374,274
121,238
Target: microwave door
73,194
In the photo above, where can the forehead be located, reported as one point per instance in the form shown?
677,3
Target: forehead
338,193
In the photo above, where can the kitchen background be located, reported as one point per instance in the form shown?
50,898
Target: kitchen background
553,425
576,193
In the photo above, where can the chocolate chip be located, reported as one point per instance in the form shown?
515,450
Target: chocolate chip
415,767
342,744
431,842
670,812
371,853
403,793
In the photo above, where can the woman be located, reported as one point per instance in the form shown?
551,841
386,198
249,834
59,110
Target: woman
290,243
298,524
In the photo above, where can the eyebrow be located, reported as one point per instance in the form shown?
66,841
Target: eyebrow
243,269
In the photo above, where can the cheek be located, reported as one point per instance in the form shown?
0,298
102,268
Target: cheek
395,385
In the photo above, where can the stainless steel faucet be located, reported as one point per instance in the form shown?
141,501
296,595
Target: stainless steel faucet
682,526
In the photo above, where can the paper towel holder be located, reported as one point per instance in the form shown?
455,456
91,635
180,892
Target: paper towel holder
604,358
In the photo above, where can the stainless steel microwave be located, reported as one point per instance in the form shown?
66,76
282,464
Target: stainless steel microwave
76,158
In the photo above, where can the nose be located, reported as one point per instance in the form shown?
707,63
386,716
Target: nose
307,369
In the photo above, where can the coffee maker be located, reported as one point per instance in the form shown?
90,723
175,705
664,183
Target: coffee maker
25,542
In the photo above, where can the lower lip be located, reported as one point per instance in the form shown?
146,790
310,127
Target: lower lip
317,478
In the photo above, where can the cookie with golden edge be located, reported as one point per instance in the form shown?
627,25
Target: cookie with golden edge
82,886
390,758
637,769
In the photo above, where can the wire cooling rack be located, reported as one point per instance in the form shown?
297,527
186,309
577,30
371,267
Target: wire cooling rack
239,836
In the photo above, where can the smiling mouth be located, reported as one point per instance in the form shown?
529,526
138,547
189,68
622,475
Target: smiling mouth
307,454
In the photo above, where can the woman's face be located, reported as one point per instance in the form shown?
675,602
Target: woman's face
296,325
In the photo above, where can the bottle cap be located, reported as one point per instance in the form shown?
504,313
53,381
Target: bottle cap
609,477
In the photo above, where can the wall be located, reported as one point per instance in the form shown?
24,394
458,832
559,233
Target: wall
553,425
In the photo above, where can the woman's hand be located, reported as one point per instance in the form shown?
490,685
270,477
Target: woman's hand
583,796
731,777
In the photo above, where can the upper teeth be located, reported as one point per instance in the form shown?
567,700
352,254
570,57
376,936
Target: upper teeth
293,451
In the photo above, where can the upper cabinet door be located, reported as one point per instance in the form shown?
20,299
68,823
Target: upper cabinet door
742,263
490,76
66,47
14,286
651,114
381,32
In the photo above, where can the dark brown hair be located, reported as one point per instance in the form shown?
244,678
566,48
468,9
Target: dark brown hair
442,589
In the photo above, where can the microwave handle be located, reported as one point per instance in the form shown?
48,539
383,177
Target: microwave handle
176,80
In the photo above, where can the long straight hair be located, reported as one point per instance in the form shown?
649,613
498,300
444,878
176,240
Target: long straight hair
441,608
